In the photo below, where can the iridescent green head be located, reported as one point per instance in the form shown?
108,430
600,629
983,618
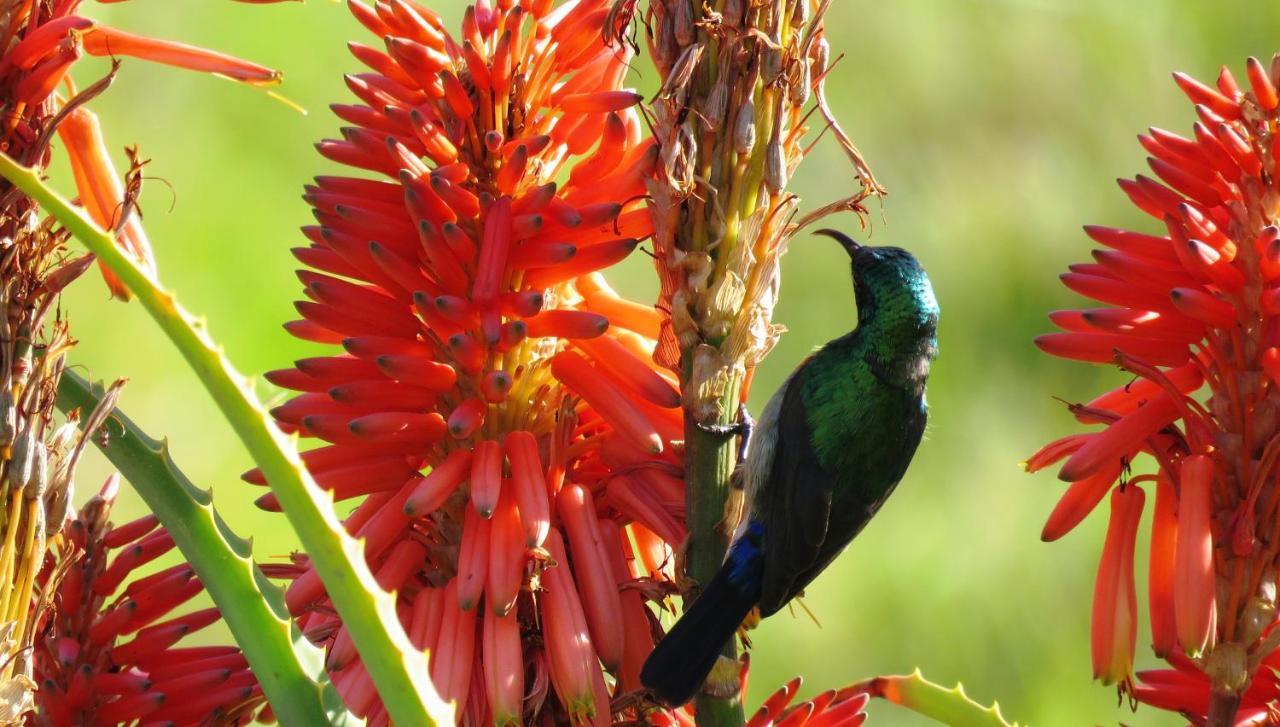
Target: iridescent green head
891,287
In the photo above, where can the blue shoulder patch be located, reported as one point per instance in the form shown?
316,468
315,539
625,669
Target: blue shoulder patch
745,563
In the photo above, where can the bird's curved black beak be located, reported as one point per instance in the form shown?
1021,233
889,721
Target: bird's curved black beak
851,246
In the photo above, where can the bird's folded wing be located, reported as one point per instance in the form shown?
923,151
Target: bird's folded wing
796,505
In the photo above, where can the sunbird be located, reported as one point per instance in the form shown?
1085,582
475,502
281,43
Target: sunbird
831,445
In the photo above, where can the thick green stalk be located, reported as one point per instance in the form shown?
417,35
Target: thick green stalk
710,460
398,670
286,665
949,706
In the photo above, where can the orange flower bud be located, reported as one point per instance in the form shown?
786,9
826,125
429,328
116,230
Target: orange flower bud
588,260
600,101
637,636
430,492
630,371
426,615
103,41
529,486
1164,538
1129,397
564,626
593,574
623,313
568,324
506,555
101,191
455,649
1128,433
621,413
466,418
1204,307
504,668
486,476
400,564
1055,451
473,559
1101,347
494,251
640,505
1077,502
653,553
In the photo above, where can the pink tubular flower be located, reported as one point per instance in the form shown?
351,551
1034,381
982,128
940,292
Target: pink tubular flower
496,417
107,651
40,41
1193,314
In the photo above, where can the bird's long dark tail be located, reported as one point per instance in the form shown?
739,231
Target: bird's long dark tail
681,661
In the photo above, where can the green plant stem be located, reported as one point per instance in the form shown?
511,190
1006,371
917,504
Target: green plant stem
284,663
398,670
709,461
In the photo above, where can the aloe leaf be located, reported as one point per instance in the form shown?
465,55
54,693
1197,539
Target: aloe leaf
398,670
285,664
949,706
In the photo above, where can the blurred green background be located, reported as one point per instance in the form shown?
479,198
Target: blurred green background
998,127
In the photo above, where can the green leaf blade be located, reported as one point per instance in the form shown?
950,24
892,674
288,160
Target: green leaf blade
949,706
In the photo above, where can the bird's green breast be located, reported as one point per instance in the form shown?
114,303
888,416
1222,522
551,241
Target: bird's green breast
864,424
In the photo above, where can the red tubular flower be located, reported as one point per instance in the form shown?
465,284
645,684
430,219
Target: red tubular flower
1115,605
107,651
496,414
1194,313
41,40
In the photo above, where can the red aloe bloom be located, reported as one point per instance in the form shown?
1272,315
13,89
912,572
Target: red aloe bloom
832,708
107,651
40,41
483,348
1194,314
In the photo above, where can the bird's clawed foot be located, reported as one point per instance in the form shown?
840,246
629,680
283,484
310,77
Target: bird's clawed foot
742,429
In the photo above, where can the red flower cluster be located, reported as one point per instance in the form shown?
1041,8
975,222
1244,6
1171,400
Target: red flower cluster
832,708
1194,314
106,651
482,347
41,40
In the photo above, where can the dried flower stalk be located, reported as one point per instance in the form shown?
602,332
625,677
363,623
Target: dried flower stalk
740,85
37,458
